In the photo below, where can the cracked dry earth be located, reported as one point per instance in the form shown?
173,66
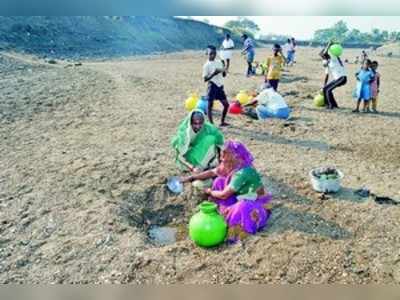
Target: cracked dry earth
85,154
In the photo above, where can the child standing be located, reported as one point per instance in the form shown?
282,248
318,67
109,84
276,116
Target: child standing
375,86
363,91
274,66
214,72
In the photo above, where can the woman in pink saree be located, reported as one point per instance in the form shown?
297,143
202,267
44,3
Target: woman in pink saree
238,191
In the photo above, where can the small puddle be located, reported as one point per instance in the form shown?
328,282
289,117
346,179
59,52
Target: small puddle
166,235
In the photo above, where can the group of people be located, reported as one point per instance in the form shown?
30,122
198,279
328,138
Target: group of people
368,81
201,149
226,52
249,51
215,70
368,78
237,187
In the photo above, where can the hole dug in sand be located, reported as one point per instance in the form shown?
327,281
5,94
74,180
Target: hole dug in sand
160,216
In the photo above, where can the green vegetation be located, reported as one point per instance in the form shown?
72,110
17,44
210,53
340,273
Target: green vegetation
243,25
341,33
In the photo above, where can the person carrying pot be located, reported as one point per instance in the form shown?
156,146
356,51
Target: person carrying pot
334,67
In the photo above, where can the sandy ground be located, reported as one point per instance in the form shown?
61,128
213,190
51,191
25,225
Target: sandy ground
85,153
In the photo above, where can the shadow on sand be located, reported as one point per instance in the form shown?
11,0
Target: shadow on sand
389,114
281,190
348,111
286,219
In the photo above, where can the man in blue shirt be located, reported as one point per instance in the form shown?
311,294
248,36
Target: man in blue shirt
248,49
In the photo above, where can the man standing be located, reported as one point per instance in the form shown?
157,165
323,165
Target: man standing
226,50
213,74
248,49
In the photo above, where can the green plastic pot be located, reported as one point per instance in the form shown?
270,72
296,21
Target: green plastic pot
207,228
319,100
336,50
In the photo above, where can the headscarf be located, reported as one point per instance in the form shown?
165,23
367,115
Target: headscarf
181,141
185,135
241,155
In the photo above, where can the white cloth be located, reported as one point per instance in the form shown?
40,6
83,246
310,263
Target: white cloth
226,44
335,68
210,67
271,99
225,53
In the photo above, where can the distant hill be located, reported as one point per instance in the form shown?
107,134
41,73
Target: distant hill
92,36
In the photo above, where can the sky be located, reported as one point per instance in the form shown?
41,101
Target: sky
303,27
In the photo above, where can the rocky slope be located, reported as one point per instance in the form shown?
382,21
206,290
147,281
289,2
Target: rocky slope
92,36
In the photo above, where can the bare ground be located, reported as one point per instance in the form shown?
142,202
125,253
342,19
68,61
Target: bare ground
85,154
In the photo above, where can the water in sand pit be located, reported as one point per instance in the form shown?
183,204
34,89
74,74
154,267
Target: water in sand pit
163,235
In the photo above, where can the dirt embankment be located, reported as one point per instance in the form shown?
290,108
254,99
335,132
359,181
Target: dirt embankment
104,36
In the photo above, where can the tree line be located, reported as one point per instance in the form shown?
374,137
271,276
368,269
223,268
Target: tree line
339,32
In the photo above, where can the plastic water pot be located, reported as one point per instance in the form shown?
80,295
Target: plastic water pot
336,50
207,228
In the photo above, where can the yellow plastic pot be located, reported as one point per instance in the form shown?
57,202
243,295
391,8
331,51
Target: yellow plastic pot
243,97
191,102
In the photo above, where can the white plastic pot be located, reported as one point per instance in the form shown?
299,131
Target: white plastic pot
323,185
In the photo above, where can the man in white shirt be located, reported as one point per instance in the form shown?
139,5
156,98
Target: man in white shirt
226,50
213,73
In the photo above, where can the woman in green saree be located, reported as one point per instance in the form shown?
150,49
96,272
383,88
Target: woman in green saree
197,143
